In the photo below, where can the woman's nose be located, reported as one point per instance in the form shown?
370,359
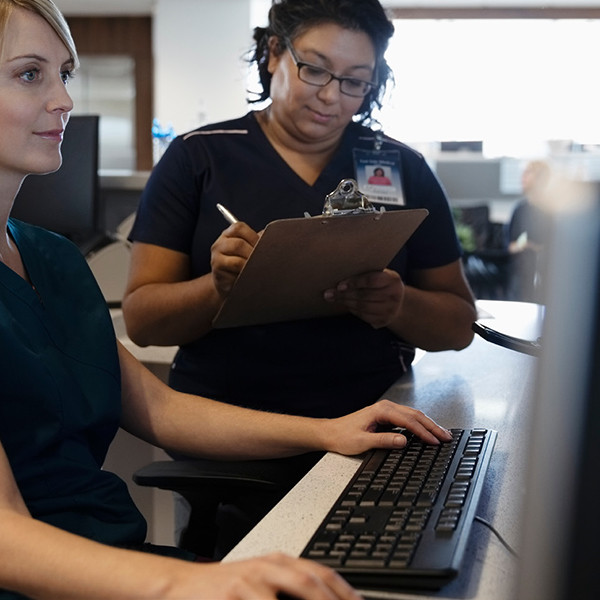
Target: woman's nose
331,92
61,99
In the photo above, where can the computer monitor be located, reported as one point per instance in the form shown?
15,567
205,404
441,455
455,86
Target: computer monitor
462,146
560,551
67,201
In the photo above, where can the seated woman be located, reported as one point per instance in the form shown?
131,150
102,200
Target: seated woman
69,529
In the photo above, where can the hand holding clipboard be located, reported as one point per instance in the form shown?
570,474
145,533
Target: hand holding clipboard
296,260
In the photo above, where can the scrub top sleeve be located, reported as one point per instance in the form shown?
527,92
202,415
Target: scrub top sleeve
170,203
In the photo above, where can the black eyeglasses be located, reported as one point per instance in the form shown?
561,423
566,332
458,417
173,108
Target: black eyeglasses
313,75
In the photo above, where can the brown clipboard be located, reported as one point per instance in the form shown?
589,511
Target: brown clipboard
296,260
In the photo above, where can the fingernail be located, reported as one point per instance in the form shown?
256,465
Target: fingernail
399,441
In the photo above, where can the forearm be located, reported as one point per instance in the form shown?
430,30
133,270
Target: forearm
171,314
204,428
201,427
44,562
232,433
434,320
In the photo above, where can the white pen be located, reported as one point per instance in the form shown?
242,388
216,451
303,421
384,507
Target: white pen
227,214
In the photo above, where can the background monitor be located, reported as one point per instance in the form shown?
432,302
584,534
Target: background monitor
67,201
462,146
560,551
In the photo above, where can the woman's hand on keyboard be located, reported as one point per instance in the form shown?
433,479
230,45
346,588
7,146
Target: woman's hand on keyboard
270,576
362,430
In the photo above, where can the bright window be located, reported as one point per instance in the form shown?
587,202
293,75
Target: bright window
513,83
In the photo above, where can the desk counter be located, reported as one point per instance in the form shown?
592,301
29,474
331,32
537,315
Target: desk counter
482,386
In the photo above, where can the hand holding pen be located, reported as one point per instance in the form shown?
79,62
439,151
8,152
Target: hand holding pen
230,251
227,214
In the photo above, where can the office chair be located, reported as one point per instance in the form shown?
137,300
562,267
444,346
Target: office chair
486,259
208,485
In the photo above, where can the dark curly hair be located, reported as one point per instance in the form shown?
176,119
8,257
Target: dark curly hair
290,18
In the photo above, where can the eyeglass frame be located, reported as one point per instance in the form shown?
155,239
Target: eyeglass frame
299,64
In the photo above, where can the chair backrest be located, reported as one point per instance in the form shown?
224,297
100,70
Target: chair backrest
476,218
497,236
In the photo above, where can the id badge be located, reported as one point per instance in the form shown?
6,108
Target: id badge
378,175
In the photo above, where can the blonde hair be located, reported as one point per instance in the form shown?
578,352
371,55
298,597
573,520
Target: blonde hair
49,12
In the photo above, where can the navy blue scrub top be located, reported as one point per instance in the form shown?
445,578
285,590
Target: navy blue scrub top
315,367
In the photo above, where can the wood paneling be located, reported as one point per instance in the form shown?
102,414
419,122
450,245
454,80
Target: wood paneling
131,36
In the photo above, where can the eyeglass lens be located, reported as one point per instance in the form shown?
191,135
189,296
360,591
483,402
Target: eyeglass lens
314,75
321,77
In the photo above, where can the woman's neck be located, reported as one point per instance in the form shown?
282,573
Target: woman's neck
9,252
10,184
306,158
11,257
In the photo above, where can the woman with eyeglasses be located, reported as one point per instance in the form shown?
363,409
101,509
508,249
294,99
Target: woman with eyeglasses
322,71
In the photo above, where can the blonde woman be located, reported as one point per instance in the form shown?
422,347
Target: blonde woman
67,386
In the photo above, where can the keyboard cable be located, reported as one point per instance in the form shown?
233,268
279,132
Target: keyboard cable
497,534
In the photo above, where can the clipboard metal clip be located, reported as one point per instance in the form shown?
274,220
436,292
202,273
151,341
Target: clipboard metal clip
346,199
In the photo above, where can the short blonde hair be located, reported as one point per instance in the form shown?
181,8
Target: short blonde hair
49,12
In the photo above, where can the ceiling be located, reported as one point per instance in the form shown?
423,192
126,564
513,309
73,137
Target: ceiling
105,7
145,7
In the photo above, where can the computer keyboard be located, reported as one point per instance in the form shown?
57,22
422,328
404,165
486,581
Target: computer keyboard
403,520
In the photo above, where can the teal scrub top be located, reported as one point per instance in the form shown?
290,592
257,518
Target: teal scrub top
60,392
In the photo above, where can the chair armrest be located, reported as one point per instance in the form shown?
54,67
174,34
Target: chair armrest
191,475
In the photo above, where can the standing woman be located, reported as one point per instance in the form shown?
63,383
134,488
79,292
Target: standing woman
322,66
322,70
66,387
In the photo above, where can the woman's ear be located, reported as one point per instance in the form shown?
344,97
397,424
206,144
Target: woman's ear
276,49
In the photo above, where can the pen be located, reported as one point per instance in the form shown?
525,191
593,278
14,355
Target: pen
227,214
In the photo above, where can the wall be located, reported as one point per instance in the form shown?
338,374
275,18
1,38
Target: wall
145,7
118,38
198,58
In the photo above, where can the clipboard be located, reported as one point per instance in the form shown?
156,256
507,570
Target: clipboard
296,260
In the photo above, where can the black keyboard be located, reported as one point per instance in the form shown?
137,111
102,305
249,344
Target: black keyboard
403,520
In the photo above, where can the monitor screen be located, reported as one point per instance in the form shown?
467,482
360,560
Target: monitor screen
462,146
67,201
560,521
